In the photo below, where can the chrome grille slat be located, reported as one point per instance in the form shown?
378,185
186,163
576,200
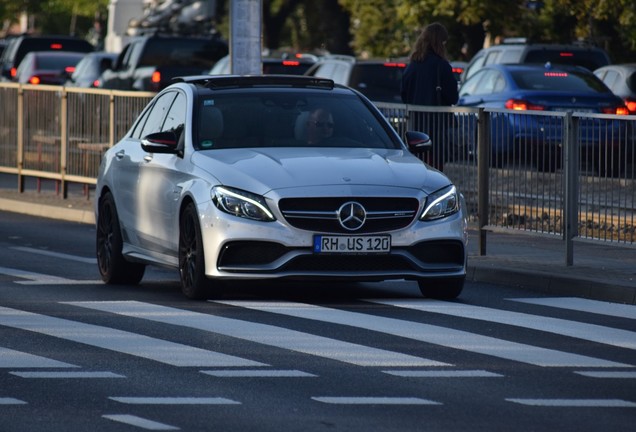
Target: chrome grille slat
321,214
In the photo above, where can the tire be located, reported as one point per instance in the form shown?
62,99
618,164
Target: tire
441,288
194,283
113,267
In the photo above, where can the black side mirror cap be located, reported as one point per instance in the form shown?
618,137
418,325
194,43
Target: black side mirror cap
418,142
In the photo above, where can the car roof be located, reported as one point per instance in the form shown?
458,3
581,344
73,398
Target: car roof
218,82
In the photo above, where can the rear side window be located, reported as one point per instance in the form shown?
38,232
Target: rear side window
201,53
631,81
589,59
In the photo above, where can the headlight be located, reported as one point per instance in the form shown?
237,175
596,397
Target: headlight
441,204
242,204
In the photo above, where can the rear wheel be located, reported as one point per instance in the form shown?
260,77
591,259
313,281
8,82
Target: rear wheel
194,283
113,268
441,288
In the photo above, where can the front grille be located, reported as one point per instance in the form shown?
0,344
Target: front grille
321,214
261,257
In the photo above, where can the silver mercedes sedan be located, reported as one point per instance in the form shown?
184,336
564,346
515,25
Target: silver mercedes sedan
230,178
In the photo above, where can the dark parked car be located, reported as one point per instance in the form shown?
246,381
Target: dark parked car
47,67
232,178
148,63
89,69
378,80
542,88
621,80
21,45
518,50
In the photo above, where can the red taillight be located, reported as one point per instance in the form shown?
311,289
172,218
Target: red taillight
458,70
621,110
69,69
34,80
56,46
521,105
566,54
291,63
96,83
631,105
555,74
393,64
14,72
156,77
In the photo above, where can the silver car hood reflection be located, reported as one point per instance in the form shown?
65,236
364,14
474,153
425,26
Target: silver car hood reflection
262,170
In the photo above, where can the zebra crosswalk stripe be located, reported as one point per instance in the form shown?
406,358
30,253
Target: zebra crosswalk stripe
590,332
264,334
121,341
437,335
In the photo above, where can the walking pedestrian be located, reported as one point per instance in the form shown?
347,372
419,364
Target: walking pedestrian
429,80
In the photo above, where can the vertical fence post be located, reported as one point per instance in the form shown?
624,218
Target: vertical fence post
570,201
20,138
483,159
63,142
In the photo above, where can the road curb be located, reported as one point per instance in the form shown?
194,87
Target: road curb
48,211
551,284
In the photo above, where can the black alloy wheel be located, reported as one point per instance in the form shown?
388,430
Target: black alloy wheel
113,268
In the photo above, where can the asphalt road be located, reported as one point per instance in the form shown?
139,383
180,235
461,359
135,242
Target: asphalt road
78,355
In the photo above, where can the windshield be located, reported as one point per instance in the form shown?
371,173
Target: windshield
290,119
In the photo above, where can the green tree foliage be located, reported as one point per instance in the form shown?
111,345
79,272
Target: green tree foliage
56,16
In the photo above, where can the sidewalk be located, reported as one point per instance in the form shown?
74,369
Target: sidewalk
601,271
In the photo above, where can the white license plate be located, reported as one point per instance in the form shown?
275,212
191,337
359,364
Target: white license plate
352,244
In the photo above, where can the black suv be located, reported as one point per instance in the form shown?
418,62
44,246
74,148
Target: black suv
20,46
517,50
148,63
378,80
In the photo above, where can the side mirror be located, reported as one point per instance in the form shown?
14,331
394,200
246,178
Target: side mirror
160,142
418,142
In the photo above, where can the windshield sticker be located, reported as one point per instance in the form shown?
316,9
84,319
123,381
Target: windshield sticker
208,102
207,144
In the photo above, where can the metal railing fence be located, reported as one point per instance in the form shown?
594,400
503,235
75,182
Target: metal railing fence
549,173
552,173
60,133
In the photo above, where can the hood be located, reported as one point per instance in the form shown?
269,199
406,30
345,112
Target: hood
262,170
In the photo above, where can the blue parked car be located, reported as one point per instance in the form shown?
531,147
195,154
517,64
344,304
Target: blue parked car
535,134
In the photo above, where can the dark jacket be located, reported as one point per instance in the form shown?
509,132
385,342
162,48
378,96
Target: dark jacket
420,79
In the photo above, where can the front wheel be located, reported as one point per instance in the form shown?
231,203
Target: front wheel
441,288
194,283
113,268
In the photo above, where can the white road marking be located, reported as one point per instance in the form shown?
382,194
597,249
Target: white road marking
437,335
11,401
257,373
121,341
139,422
55,254
174,400
16,359
67,375
35,278
443,373
263,334
584,305
605,374
584,403
589,332
348,400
